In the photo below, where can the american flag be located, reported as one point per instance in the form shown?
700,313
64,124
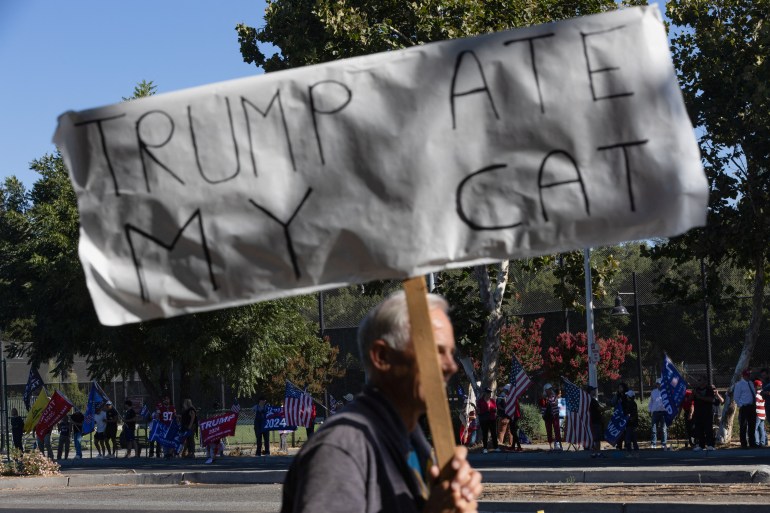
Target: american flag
236,407
298,406
578,423
520,382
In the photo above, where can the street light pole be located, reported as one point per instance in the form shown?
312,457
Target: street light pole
621,310
638,339
707,327
593,350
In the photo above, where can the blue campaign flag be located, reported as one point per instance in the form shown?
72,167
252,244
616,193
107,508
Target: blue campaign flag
673,390
616,426
156,431
169,435
34,381
94,397
275,420
145,411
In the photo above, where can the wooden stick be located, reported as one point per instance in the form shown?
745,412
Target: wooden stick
431,376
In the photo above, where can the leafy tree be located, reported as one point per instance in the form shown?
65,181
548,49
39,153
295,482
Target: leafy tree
569,357
315,31
523,341
721,50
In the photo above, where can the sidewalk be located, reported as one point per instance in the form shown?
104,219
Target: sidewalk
530,467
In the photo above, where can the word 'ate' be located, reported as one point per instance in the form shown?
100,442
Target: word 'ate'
462,152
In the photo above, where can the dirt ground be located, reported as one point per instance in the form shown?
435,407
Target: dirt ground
585,492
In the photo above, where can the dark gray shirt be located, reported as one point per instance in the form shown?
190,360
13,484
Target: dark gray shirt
358,463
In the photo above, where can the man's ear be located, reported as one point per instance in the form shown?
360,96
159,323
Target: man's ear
379,355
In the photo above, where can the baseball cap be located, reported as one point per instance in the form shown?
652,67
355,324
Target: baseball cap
630,393
108,403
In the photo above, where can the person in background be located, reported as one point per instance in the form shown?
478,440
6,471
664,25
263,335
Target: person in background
631,411
486,409
77,419
44,443
129,429
618,399
658,414
516,443
189,423
549,410
705,397
688,408
311,428
503,421
595,418
64,438
111,430
166,416
262,435
760,433
101,424
17,429
744,395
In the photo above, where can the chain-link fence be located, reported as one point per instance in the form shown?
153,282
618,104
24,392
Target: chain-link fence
677,329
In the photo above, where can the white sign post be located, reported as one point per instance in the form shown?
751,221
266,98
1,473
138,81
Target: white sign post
508,145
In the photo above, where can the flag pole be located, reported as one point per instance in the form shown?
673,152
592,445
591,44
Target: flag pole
431,377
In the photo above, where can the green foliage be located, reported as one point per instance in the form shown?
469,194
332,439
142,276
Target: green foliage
315,31
569,273
142,90
721,50
31,463
531,422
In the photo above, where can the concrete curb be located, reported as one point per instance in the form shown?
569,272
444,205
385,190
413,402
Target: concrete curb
648,475
675,475
636,507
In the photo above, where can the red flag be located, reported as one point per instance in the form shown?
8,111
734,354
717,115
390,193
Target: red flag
56,410
217,427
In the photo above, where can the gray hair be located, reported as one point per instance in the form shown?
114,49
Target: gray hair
389,321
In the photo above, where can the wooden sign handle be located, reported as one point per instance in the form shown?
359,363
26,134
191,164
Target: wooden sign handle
431,376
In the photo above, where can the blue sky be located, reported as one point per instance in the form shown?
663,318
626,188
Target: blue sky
71,55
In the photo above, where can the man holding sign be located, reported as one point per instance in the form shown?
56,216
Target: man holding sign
374,451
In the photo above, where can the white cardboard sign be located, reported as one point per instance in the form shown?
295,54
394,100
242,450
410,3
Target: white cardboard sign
507,145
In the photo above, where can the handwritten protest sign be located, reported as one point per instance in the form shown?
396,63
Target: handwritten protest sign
462,152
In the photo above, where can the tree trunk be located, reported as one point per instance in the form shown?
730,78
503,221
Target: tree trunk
749,342
492,297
